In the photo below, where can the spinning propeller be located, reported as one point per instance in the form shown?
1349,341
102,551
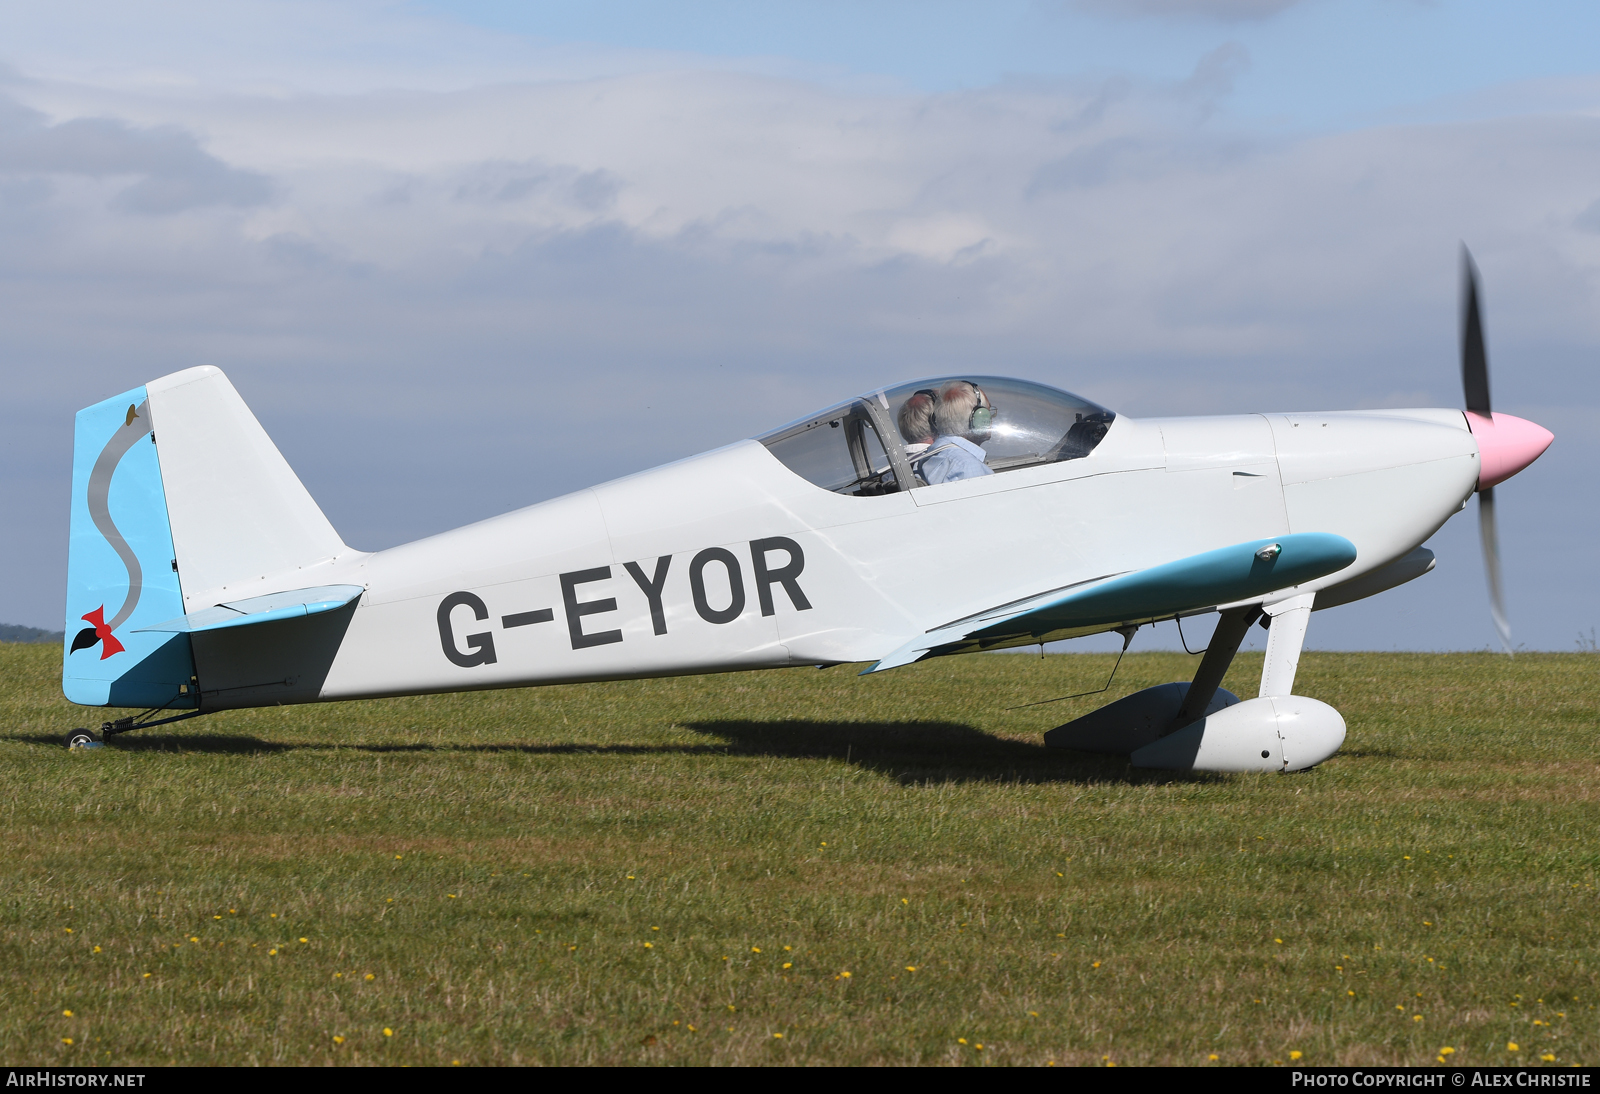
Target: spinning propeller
1506,444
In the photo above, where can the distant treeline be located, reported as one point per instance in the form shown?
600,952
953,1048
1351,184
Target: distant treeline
10,632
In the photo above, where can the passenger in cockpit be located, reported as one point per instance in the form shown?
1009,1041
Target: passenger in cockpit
916,421
961,418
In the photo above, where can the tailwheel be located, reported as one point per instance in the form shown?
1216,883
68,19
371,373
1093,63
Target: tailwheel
83,738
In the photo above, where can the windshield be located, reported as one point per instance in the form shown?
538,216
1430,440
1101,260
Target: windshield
840,449
933,431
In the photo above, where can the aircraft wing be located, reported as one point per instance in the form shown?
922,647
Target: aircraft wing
290,604
1224,576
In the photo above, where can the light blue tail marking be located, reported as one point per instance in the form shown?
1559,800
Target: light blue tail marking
120,574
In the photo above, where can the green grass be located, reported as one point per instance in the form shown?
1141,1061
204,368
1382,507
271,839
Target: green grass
677,871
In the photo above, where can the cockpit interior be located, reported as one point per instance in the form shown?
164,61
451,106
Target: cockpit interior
928,432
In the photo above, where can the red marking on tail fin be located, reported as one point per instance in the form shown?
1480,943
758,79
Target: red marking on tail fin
108,641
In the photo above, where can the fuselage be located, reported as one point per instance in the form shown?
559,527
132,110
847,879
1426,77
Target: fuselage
729,560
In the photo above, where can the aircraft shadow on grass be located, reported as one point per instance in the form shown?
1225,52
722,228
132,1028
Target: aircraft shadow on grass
917,752
909,752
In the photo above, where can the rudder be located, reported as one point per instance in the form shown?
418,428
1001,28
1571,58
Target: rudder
121,568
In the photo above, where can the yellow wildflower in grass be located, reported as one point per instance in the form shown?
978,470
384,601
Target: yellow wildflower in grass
1295,1054
66,1040
755,949
1279,941
1416,1017
1096,965
452,896
911,968
272,953
216,917
903,900
786,949
66,1014
305,940
1512,1046
788,964
978,1046
1213,1056
1549,1057
961,1040
649,945
1446,1051
147,976
845,974
655,928
337,1039
387,1032
97,949
1349,993
370,976
777,1036
67,929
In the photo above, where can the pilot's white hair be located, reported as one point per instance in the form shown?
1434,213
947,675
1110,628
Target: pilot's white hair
916,417
953,415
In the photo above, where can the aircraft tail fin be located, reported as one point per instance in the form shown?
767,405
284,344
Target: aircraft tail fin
180,501
241,519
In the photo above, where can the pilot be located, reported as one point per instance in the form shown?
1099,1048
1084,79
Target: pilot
961,420
916,421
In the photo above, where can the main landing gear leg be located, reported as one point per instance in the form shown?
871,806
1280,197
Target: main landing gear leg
1284,639
1225,640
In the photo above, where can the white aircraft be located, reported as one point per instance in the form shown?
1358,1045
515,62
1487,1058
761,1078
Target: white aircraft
942,516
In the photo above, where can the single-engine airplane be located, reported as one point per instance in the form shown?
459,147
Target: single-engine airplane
942,516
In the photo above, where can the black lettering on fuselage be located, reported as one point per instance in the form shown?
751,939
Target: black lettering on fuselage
784,575
576,611
480,647
651,587
524,619
697,585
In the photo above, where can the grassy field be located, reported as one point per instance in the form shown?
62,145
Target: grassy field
806,867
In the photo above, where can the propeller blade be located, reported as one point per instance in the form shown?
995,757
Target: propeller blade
1474,359
1489,534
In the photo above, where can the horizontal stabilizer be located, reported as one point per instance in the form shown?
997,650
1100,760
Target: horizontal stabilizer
291,604
1225,576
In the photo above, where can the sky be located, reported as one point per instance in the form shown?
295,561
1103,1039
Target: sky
461,257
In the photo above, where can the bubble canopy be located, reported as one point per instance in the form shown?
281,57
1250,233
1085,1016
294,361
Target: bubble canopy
861,447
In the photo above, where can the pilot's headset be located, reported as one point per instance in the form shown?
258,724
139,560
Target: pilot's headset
983,413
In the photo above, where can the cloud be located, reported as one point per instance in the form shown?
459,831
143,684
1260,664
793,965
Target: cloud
174,173
1589,219
1226,11
445,304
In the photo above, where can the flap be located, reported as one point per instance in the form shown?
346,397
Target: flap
263,609
1241,572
